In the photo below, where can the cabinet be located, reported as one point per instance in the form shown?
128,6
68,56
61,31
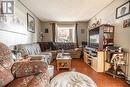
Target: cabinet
85,56
95,62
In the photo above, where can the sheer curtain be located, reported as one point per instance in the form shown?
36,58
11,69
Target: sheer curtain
65,33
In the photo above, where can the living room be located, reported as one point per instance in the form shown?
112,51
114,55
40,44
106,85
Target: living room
92,36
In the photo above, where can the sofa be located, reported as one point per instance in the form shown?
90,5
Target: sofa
22,73
57,46
34,51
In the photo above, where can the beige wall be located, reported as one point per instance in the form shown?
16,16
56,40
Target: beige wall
121,34
81,36
14,29
47,36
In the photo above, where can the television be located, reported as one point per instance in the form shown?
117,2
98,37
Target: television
94,40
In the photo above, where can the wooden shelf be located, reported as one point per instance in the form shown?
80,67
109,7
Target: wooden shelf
105,33
123,68
114,75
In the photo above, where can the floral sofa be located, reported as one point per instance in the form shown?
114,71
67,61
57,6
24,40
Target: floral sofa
22,73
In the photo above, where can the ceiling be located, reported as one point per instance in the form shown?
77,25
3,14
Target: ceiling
65,10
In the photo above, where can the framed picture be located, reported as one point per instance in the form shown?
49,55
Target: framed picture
123,10
126,23
30,23
82,31
46,30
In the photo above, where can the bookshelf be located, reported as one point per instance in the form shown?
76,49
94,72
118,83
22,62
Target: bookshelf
101,36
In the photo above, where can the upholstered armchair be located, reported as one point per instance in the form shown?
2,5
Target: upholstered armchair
21,73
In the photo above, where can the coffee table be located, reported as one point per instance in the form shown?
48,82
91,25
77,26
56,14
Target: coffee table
63,61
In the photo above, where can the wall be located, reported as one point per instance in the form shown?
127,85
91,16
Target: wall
13,28
47,36
107,15
81,36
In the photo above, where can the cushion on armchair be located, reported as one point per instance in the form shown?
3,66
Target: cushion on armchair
5,76
39,80
20,69
21,82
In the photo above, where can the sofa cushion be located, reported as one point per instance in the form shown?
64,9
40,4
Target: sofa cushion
53,45
6,59
5,76
20,69
29,49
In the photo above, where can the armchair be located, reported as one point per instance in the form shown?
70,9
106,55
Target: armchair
21,74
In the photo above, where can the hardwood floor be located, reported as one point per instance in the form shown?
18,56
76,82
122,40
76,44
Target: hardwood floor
101,79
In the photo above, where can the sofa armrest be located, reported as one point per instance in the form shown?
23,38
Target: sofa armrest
26,68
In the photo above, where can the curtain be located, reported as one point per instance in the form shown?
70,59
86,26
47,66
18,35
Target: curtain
76,34
53,32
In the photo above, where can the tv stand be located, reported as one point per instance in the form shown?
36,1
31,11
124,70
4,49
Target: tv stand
94,58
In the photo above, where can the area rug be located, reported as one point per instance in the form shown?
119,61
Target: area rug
72,79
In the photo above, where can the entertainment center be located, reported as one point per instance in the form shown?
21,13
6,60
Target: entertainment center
99,38
101,54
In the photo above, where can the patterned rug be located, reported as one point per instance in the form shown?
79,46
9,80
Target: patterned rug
72,79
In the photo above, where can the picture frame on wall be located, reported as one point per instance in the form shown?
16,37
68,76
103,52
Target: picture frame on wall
126,23
30,23
46,30
82,31
123,10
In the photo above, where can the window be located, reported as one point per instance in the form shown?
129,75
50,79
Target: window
65,33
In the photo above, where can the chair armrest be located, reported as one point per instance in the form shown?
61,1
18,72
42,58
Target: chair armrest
26,68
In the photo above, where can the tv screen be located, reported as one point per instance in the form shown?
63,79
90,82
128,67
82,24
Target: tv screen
94,39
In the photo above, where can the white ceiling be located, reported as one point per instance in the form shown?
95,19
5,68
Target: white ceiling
65,10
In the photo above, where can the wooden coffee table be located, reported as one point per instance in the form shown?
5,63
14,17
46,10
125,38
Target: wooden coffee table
63,61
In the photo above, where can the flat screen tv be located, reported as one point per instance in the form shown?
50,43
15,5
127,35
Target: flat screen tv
94,40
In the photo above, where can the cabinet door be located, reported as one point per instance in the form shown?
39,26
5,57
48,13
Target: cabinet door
94,64
85,57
